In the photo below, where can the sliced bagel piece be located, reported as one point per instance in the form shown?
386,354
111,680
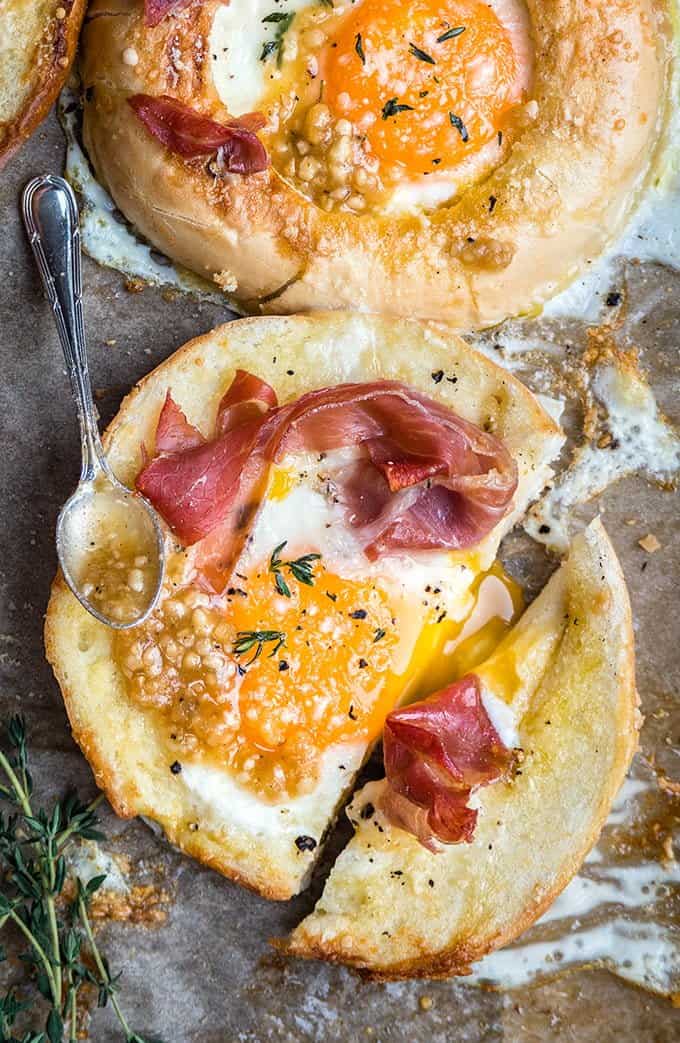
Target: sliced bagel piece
203,811
394,910
562,176
38,40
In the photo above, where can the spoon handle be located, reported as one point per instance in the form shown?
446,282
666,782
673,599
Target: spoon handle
50,213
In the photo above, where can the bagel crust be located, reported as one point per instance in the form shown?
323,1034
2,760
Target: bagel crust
393,910
294,354
571,176
38,40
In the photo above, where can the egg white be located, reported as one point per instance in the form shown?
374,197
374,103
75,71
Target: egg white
219,797
236,41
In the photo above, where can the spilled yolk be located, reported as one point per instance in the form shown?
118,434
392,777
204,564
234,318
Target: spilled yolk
423,92
447,651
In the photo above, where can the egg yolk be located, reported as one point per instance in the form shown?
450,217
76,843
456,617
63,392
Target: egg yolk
428,82
261,684
332,679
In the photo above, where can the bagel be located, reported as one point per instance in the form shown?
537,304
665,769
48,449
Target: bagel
390,908
38,41
512,211
271,845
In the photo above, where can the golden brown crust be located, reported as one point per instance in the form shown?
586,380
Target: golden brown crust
565,188
38,41
294,354
591,591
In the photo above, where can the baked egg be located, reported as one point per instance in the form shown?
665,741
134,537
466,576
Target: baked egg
377,103
272,693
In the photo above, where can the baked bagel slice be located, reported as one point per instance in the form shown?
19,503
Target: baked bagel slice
38,40
238,721
395,910
463,168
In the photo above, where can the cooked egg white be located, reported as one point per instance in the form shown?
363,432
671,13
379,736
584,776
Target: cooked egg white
220,798
642,441
237,39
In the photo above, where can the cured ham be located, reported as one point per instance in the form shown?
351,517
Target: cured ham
156,10
247,398
423,478
192,135
436,753
174,432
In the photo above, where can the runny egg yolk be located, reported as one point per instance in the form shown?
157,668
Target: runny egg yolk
332,680
428,82
262,684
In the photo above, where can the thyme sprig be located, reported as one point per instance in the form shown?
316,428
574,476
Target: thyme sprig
33,872
301,569
283,22
247,640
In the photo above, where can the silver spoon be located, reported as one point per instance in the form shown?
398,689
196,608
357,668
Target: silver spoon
110,542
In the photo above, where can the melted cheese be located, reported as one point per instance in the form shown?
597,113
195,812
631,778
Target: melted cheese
603,915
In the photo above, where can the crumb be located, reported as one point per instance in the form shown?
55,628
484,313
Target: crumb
668,856
135,285
226,281
668,785
649,543
110,343
426,1002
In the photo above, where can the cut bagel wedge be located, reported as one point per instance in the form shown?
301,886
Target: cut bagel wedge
266,842
38,40
391,909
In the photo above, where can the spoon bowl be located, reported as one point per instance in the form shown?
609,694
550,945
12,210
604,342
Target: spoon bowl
110,541
110,549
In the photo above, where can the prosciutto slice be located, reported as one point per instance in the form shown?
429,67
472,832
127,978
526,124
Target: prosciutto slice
156,10
247,398
174,432
436,753
192,135
423,477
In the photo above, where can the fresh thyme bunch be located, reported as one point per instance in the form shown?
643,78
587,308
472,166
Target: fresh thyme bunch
62,954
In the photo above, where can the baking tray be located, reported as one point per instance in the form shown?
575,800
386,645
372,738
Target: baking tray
192,946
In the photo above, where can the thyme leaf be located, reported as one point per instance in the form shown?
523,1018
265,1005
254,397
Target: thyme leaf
457,122
450,34
359,48
283,23
301,569
392,107
423,55
247,640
